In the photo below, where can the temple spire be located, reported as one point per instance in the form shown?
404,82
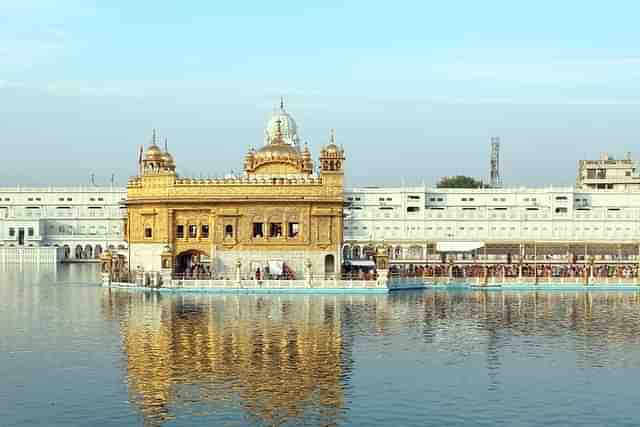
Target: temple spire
332,137
154,137
282,103
165,145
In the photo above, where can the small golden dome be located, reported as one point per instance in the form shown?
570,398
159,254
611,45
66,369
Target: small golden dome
153,153
168,158
332,149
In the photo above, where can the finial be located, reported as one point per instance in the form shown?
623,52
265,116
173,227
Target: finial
332,138
282,103
165,145
153,137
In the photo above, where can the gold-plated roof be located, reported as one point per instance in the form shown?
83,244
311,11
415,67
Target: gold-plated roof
275,151
153,153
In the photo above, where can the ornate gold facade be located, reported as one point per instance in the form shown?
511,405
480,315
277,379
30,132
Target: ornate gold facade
277,207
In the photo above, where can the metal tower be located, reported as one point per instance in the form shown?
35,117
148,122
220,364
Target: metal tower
495,180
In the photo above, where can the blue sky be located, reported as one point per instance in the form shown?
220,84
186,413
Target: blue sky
414,90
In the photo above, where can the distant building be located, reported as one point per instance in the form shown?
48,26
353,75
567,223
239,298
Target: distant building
50,224
420,223
608,173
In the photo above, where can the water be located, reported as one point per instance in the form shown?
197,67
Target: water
72,353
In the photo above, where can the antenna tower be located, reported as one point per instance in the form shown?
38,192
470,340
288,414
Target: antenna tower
495,180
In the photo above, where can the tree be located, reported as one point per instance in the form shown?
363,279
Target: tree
459,181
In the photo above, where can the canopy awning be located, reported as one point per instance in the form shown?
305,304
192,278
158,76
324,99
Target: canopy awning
458,246
361,263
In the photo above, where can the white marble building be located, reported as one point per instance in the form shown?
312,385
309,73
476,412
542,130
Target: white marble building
80,221
422,222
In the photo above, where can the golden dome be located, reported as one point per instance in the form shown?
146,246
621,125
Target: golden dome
168,158
277,152
153,153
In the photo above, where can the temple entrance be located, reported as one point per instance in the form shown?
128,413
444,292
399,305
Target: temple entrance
193,263
329,264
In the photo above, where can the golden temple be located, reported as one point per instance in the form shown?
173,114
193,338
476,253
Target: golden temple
277,218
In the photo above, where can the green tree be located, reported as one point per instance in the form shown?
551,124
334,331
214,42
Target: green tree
459,181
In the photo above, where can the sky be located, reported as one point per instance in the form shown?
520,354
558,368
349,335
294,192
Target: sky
414,90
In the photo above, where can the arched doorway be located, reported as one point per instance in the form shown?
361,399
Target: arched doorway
329,264
192,263
97,252
78,252
88,252
67,251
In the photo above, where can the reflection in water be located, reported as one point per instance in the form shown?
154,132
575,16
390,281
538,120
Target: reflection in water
284,359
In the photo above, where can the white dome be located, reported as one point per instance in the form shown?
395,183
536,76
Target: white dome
288,127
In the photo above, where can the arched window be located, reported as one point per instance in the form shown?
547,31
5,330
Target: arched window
228,231
148,232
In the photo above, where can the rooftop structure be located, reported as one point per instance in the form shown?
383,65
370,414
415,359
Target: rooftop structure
608,173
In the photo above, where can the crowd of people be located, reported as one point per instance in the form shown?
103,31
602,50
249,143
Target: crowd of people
528,270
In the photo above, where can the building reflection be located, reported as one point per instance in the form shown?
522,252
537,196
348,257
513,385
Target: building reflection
278,359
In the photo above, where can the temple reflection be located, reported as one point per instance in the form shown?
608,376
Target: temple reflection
279,358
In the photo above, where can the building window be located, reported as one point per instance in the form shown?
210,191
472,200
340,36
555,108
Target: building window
30,232
204,231
180,231
148,232
294,229
413,209
275,229
193,231
228,231
258,230
12,232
